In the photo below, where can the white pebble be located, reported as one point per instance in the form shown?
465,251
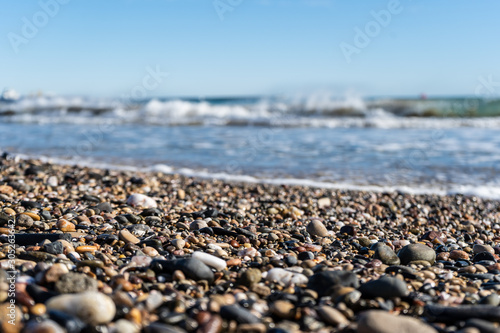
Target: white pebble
141,200
210,260
285,277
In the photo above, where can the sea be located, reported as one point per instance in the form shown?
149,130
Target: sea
438,145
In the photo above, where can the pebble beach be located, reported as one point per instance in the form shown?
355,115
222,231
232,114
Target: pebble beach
94,250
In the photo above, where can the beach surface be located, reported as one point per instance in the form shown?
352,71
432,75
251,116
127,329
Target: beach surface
100,250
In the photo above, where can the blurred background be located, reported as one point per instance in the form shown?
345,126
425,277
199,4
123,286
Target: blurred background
384,95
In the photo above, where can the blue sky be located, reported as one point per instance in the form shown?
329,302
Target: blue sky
103,48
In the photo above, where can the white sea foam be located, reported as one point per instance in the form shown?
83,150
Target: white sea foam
314,110
491,191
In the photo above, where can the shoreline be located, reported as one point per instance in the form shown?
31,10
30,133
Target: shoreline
482,191
148,252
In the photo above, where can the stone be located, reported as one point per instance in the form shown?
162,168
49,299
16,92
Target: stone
210,260
479,248
282,276
385,287
250,277
163,328
54,248
141,200
325,282
332,316
178,243
45,326
282,309
385,254
70,323
316,228
459,255
128,237
24,220
416,252
92,307
75,283
238,313
193,268
463,312
197,225
54,273
324,202
378,321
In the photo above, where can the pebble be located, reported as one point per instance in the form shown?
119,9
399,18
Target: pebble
128,237
285,277
385,254
385,287
316,228
416,252
378,321
75,283
210,260
324,282
238,313
141,200
332,316
479,248
250,277
92,307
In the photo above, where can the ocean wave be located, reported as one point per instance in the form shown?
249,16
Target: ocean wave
307,111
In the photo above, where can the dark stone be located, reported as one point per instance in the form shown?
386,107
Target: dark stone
109,239
207,230
462,312
191,267
211,213
385,254
54,248
91,198
45,215
306,255
416,252
483,326
385,287
33,239
31,204
348,229
38,294
245,232
324,282
151,212
484,256
291,260
70,323
223,232
238,313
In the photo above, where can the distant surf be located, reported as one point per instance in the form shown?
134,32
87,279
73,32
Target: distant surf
315,110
